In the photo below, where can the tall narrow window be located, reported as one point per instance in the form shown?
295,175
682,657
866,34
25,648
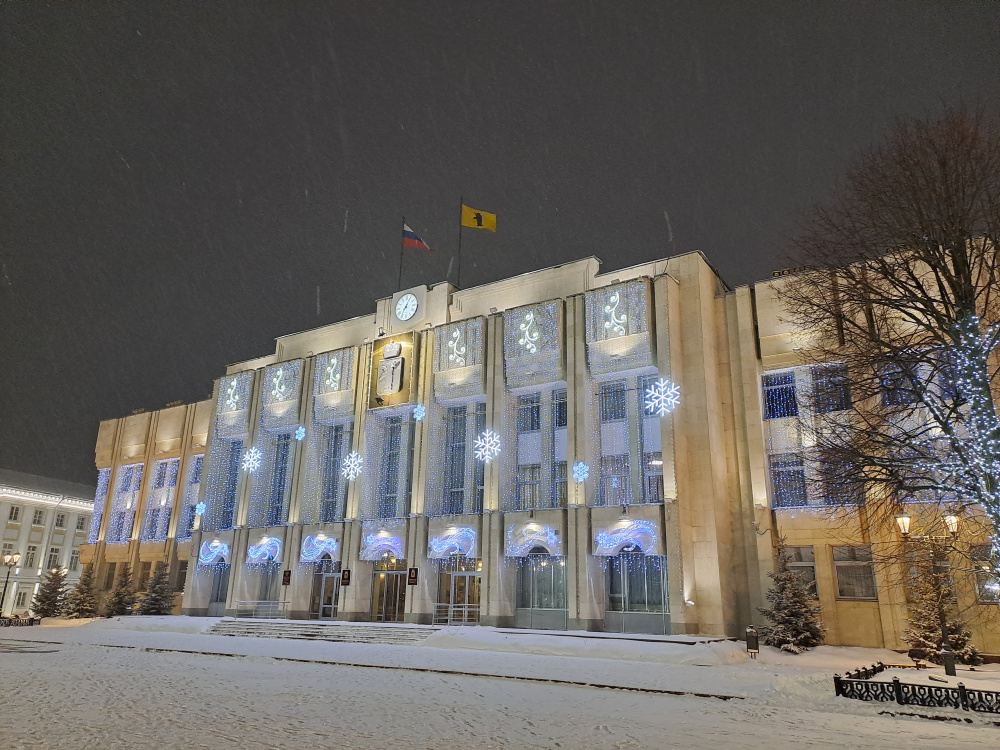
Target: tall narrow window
652,474
528,480
276,496
614,401
616,480
559,485
480,466
53,560
388,484
779,395
191,493
334,484
454,460
529,416
74,560
559,408
232,481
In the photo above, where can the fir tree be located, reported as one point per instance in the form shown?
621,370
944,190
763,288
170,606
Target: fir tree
82,600
796,619
51,596
159,597
122,597
933,601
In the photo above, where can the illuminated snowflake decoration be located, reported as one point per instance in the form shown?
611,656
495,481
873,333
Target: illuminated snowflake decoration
252,459
419,412
233,395
662,397
487,446
581,471
200,508
300,433
352,464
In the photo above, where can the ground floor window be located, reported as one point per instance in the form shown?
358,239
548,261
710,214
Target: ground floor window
637,582
541,581
855,573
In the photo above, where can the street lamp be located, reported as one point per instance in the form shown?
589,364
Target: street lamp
10,560
903,522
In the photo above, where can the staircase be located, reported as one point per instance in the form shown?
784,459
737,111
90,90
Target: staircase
326,631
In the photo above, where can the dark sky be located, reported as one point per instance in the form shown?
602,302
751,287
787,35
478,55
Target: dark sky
178,178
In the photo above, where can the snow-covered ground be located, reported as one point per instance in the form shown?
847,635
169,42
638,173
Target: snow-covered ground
103,685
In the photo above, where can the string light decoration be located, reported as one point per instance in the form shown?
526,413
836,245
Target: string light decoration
222,469
522,538
618,328
454,541
662,397
192,509
459,354
214,552
124,505
487,446
300,433
529,333
533,345
580,472
252,459
314,547
419,412
100,498
266,551
638,532
352,465
387,475
615,323
377,538
329,436
156,517
456,351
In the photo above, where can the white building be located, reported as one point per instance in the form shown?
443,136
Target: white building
46,521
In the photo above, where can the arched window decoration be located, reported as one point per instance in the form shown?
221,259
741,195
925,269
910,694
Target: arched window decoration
637,582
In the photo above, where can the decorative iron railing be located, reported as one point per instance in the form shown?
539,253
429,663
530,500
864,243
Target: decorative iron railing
857,685
456,614
19,622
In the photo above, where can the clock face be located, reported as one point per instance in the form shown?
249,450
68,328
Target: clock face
406,307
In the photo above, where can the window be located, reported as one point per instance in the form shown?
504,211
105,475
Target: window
779,395
144,572
529,413
8,548
81,523
831,388
60,520
53,559
559,483
842,480
614,401
855,573
802,560
897,386
334,484
637,582
14,514
388,485
987,588
528,480
21,600
225,518
616,480
109,577
480,466
788,480
652,474
454,461
276,511
38,519
29,556
541,581
182,572
559,408
74,559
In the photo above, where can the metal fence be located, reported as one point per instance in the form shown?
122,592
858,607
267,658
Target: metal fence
857,685
456,614
19,622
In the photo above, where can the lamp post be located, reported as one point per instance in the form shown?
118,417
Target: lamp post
10,560
950,521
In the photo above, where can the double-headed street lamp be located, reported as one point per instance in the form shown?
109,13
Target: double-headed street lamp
10,560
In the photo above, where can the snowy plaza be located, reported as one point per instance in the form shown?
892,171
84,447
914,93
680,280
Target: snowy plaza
146,689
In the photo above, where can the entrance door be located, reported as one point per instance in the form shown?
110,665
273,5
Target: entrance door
458,592
389,589
329,591
220,589
541,592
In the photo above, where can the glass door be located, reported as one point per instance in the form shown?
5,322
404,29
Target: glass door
389,589
330,589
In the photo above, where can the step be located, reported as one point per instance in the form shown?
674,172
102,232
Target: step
336,632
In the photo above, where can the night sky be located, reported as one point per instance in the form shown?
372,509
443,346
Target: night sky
178,178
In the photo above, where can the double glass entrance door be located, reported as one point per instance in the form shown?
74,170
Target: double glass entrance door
389,590
328,590
458,598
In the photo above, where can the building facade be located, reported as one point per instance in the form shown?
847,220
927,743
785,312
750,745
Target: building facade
565,449
45,521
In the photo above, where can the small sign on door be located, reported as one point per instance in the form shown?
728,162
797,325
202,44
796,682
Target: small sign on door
345,577
411,577
286,578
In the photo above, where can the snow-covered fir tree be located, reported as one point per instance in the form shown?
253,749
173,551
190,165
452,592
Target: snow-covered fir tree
81,601
51,596
933,600
795,614
122,598
159,595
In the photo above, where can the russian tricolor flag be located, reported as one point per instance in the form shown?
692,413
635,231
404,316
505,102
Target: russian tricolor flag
410,239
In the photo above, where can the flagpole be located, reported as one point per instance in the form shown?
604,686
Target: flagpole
458,282
399,283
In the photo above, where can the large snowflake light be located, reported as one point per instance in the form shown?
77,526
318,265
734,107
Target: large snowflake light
200,508
252,460
487,446
300,433
352,464
581,471
662,397
419,412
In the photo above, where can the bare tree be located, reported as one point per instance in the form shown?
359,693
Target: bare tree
899,298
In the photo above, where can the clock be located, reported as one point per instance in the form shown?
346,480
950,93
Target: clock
406,307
